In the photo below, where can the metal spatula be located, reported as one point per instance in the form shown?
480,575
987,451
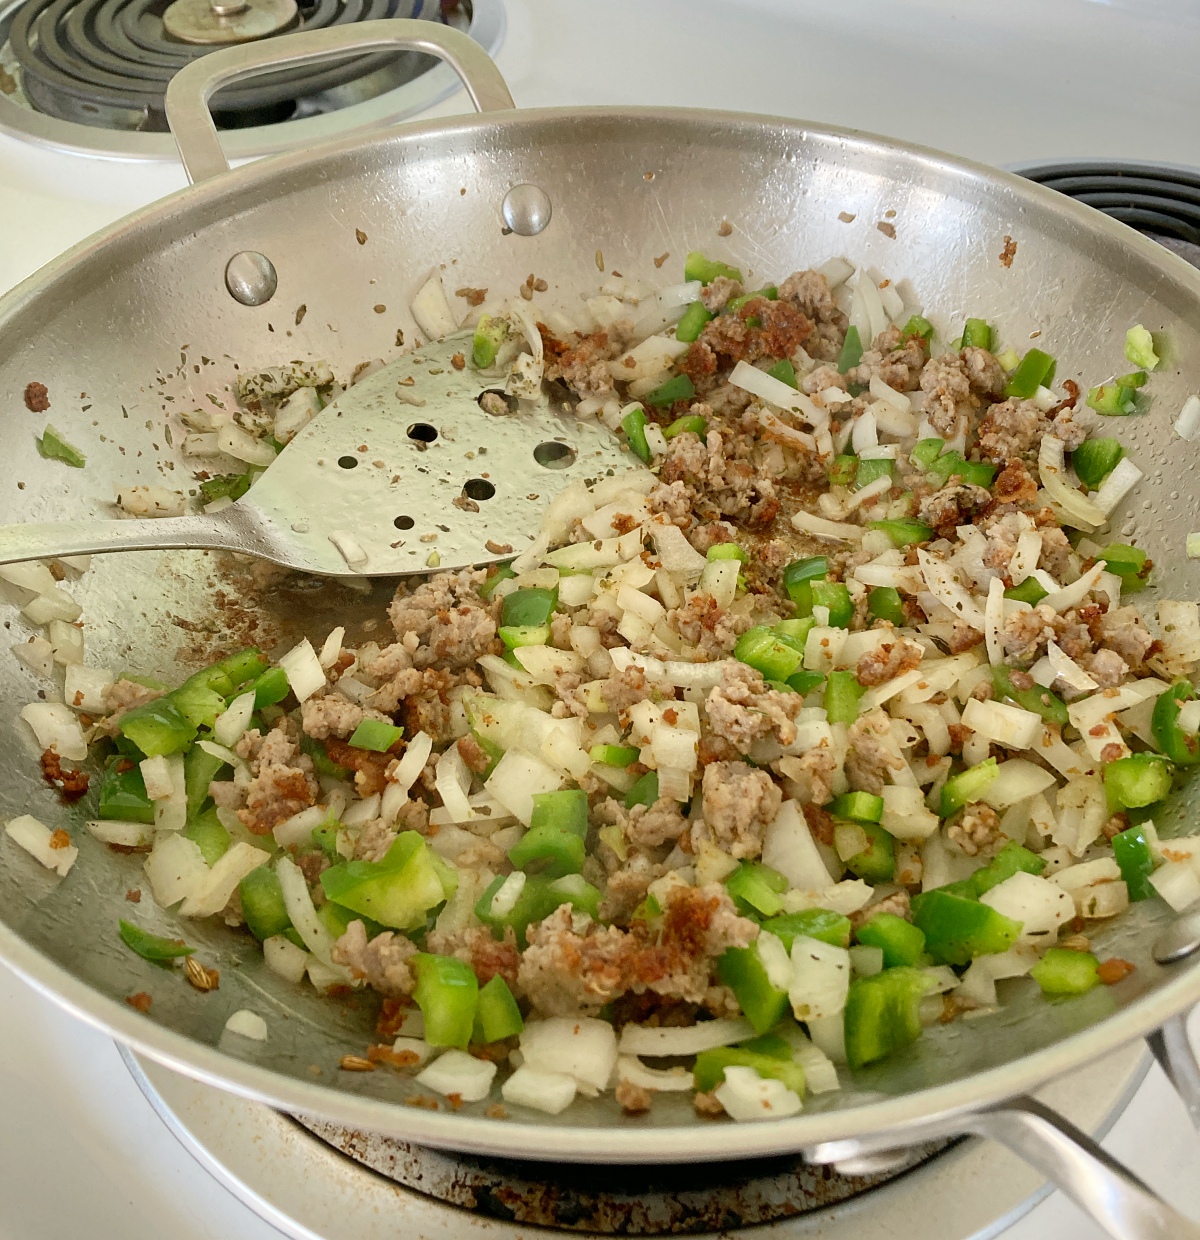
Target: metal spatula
405,472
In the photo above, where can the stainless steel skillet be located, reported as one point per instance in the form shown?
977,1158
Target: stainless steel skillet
138,323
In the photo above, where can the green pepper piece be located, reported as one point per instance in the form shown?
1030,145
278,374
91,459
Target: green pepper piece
554,843
1111,400
843,471
54,447
852,350
1095,459
515,636
1036,370
903,531
763,650
877,862
795,632
575,890
271,687
614,755
1010,860
199,770
797,579
1139,348
262,903
1030,591
501,572
883,1014
324,837
123,792
842,692
209,835
243,665
835,596
706,270
957,929
397,891
1141,779
858,806
757,885
871,469
709,1069
1132,852
900,941
727,551
978,334
498,1016
926,452
967,786
323,764
634,426
680,387
490,334
1183,748
1131,564
917,325
151,946
692,323
884,603
375,735
531,606
226,486
157,727
690,422
734,304
813,923
644,791
763,1004
1064,972
773,1044
1037,699
447,992
538,899
493,751
804,682
785,372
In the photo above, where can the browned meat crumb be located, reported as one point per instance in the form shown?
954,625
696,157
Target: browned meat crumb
976,831
1115,970
382,962
71,783
283,782
141,1001
37,397
1008,253
633,1099
709,1106
740,802
888,230
888,661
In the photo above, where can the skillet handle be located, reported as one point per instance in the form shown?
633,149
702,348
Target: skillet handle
193,86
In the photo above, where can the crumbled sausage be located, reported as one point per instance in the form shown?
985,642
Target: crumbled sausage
740,802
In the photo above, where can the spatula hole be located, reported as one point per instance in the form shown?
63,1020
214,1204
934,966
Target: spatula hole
554,455
404,523
498,403
478,488
348,462
422,432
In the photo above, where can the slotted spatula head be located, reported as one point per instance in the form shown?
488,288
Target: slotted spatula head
407,472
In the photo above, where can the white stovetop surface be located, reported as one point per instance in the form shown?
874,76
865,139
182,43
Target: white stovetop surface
81,1151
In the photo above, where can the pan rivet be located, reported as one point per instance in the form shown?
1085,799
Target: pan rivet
250,278
526,209
1178,941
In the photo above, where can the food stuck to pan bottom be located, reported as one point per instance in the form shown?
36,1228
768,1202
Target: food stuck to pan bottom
832,713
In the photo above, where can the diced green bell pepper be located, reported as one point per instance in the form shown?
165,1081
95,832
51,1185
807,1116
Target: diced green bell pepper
706,270
644,791
157,727
917,325
1063,972
54,447
324,837
1141,779
901,942
227,486
709,1069
690,422
262,903
531,606
978,334
1112,400
200,768
208,833
834,595
883,1014
795,632
1183,748
967,786
1139,348
759,886
243,665
538,899
1132,852
634,426
614,755
957,929
763,650
397,891
375,735
798,577
785,372
447,992
804,682
884,603
842,692
514,636
771,293
858,806
271,687
151,946
762,1004
502,572
679,387
903,531
877,862
813,923
1036,370
490,334
554,843
727,551
976,473
498,1016
123,792
1095,459
852,350
843,471
1131,564
1030,591
692,323
1011,859
926,452
323,764
1036,698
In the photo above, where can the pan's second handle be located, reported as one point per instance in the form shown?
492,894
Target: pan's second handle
194,85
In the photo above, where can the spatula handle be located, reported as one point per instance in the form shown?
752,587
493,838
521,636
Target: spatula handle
217,531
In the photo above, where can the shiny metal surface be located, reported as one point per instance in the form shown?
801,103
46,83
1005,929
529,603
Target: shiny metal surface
526,209
214,23
113,317
191,88
403,473
1179,940
250,278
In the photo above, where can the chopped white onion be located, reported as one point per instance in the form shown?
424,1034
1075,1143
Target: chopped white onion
56,727
583,1047
1187,425
1124,477
282,956
214,893
247,1024
124,834
456,1072
303,669
37,840
1009,726
1052,469
308,925
1177,883
331,648
234,720
943,585
820,978
664,1042
83,687
661,1080
432,311
1067,670
239,443
1038,904
175,868
748,1097
551,1092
